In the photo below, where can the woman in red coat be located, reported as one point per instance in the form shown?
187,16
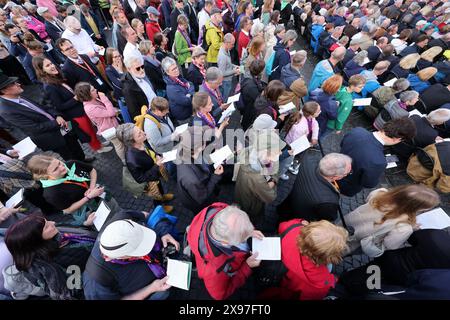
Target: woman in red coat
307,251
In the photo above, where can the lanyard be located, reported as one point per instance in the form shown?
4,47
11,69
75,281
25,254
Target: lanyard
80,184
86,67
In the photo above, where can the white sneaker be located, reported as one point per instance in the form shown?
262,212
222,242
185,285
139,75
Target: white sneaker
284,177
294,169
104,149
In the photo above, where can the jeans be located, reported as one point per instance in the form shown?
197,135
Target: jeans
285,161
225,89
160,295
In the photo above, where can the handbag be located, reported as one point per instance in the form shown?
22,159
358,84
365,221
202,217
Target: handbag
19,286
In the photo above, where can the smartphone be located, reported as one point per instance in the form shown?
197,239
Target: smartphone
392,158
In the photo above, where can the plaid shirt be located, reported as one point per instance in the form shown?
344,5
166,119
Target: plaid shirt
11,184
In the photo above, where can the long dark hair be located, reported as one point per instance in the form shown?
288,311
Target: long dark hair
24,241
38,65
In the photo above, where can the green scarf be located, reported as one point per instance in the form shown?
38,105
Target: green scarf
70,176
284,3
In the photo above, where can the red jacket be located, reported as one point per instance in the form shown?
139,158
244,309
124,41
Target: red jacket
304,280
151,28
243,42
210,263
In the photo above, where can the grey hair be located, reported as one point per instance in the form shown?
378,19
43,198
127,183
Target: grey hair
408,95
401,85
299,58
132,59
228,38
290,35
233,231
360,57
279,28
124,133
166,63
256,28
213,74
144,46
334,164
438,116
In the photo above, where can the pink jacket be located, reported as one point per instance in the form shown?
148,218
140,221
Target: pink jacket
37,26
50,4
301,128
102,113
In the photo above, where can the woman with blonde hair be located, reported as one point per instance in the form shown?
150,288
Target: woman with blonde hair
427,57
420,80
402,69
256,51
308,251
267,10
139,28
388,218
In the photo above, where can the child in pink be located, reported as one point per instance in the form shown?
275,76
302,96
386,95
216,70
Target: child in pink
304,123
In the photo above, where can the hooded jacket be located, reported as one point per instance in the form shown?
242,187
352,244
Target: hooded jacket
180,98
214,38
328,106
282,58
417,84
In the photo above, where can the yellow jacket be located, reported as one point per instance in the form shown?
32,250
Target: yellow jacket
214,39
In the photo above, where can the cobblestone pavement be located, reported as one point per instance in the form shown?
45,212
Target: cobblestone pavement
110,174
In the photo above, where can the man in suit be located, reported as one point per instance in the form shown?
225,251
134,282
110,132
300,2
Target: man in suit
177,10
43,125
366,150
35,48
373,52
191,13
53,26
79,68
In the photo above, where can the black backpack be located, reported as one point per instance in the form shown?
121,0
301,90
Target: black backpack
269,274
205,45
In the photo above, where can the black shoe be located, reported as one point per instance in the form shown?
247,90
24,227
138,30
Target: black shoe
89,160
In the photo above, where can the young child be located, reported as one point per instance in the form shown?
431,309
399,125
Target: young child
101,112
300,124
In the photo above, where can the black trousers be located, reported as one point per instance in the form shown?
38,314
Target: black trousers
72,150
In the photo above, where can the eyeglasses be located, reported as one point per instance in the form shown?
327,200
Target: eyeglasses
118,56
140,68
68,48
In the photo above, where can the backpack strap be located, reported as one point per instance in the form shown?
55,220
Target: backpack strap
285,232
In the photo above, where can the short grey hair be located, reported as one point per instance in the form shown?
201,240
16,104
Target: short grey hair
299,58
144,46
256,28
334,164
408,95
124,134
401,85
213,74
438,116
290,35
166,63
130,60
232,225
360,57
228,38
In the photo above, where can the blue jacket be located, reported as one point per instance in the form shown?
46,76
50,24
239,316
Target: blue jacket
289,75
315,32
115,78
180,98
328,106
352,68
336,20
417,84
282,58
369,162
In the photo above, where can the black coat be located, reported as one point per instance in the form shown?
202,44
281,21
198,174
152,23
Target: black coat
45,133
435,96
74,74
191,14
135,98
115,78
195,76
53,31
155,75
312,198
196,186
247,101
373,52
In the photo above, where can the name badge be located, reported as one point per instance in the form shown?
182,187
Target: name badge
99,81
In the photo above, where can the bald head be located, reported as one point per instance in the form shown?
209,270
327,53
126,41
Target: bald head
338,54
73,24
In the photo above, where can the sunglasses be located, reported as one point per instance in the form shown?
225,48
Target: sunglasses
140,68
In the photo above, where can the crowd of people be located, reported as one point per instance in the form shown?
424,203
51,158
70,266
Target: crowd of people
146,78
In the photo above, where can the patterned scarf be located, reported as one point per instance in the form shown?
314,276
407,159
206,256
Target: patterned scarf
216,93
181,83
208,119
71,176
201,68
185,36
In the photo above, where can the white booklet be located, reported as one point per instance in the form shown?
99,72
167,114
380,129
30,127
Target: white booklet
182,128
227,113
416,112
287,107
366,61
109,134
15,200
390,83
224,12
362,102
234,98
220,156
179,273
300,145
101,215
268,248
169,156
293,52
434,219
25,147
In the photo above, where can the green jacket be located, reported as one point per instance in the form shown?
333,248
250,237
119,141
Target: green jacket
182,49
214,38
345,107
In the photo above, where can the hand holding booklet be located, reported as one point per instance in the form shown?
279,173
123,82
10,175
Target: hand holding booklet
169,155
390,83
433,219
220,156
234,98
227,113
109,133
287,107
15,200
179,273
182,128
101,215
362,102
25,147
269,248
300,145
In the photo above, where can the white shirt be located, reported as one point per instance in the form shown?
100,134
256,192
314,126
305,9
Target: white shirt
132,4
146,88
203,17
131,50
377,136
82,42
